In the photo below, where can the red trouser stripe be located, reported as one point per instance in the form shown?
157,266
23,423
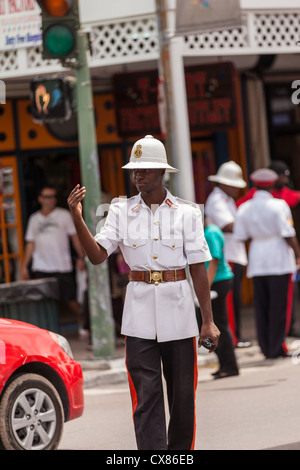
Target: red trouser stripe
230,315
195,388
289,308
131,387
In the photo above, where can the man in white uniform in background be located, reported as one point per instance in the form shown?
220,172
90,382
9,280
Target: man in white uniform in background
220,209
268,223
159,235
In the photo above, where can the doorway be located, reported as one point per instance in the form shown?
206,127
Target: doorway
11,233
203,155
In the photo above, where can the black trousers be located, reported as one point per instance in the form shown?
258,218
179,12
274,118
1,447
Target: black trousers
270,302
179,364
238,271
225,349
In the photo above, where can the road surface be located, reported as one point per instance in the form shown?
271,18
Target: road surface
260,409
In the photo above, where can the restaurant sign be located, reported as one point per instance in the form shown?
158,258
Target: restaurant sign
20,24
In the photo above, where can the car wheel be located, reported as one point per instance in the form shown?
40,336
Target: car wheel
31,415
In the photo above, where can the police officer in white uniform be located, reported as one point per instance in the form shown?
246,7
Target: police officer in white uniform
159,236
268,223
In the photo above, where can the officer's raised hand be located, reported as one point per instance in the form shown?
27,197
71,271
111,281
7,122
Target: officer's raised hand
74,201
95,253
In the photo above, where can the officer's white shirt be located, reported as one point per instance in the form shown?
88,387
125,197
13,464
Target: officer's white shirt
220,209
267,221
167,238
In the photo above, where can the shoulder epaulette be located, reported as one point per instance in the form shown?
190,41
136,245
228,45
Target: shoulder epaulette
115,200
136,208
171,204
190,203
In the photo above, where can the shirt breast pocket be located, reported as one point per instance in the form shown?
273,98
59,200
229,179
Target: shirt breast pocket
171,252
134,251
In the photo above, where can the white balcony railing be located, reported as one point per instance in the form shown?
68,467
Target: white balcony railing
136,40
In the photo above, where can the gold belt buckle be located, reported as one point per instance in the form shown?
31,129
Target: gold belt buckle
156,277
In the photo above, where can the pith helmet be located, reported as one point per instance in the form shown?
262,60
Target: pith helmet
148,153
230,174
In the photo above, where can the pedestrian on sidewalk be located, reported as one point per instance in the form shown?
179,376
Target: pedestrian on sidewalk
220,209
158,235
268,223
48,235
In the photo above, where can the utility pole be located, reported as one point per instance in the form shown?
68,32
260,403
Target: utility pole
164,71
98,277
171,69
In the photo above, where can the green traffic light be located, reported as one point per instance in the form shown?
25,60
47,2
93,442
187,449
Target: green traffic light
59,40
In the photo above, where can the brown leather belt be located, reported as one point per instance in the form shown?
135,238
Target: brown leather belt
157,276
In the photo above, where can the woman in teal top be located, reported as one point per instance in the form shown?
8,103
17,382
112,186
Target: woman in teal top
220,279
218,269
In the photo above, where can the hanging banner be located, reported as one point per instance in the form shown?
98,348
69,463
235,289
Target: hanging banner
211,96
196,16
20,24
137,103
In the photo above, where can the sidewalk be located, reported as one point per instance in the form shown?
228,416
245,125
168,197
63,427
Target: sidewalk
112,370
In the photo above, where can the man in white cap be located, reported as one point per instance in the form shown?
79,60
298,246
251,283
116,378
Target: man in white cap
281,189
220,209
268,223
159,235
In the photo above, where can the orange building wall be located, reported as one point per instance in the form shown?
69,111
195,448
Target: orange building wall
36,136
7,132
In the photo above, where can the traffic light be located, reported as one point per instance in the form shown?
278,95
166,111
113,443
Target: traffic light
60,22
51,99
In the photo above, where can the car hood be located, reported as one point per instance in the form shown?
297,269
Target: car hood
7,322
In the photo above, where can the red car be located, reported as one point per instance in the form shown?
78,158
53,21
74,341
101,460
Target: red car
41,387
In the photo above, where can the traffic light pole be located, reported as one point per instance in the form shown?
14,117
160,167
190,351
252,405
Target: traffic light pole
102,327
